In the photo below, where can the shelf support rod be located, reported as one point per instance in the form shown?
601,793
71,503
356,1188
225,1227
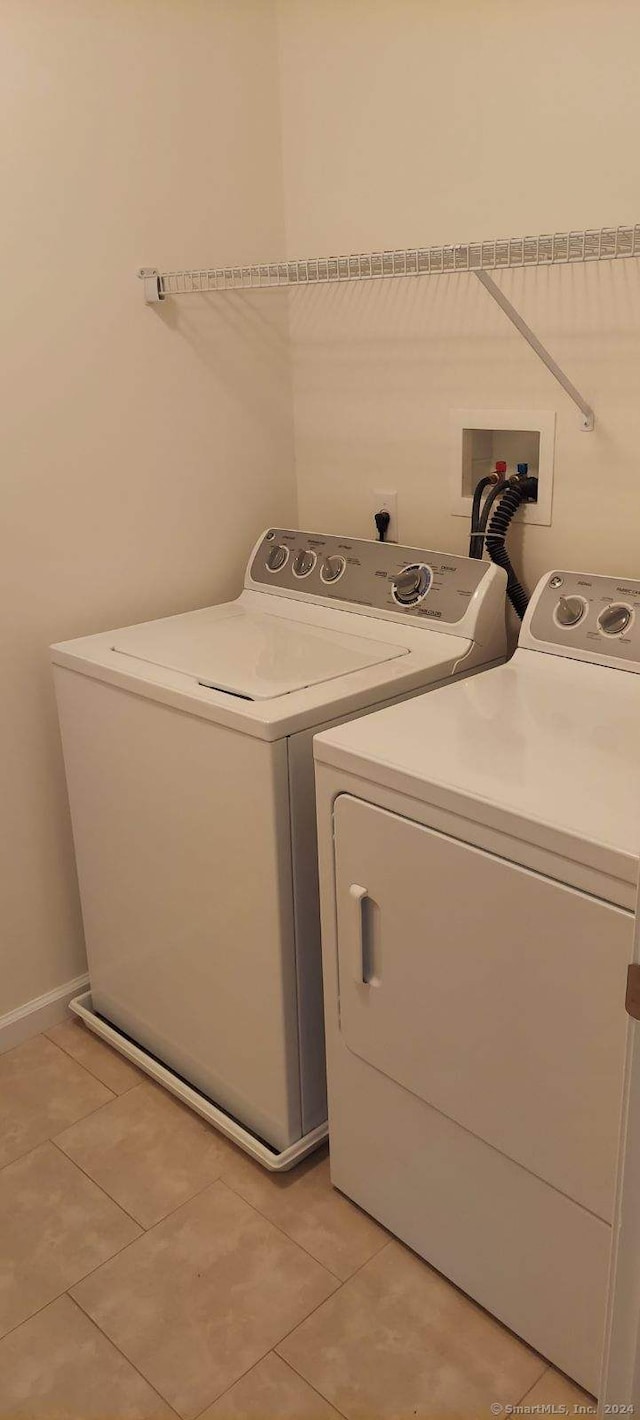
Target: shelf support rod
588,417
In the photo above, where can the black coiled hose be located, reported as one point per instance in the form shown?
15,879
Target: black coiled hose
495,541
489,501
476,541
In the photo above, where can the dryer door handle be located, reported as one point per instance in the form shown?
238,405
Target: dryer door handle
359,896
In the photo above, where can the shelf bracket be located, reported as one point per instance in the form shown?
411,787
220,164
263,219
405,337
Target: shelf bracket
588,418
152,286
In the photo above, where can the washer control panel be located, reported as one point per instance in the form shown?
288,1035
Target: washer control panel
578,613
421,585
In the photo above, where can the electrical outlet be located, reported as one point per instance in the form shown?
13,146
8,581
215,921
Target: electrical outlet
379,502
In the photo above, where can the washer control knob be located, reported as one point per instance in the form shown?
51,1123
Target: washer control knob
411,585
615,619
277,557
332,568
570,610
304,562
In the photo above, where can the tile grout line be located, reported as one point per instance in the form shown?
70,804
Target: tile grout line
272,1350
253,1367
311,1386
265,1353
37,1312
292,1365
248,1371
296,1372
145,1231
533,1385
66,1291
51,1138
191,1199
48,1139
291,1240
101,1190
66,1056
144,1228
219,1178
321,1304
19,1157
341,1282
116,1093
466,1296
126,1358
105,1105
269,1349
29,1039
563,1376
302,1247
288,1362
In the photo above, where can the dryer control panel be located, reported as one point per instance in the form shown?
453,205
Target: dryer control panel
423,585
586,616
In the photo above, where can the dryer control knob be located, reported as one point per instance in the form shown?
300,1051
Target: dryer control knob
570,610
304,562
277,557
615,619
332,568
411,585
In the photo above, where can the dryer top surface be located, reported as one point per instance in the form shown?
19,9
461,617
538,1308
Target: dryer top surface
544,748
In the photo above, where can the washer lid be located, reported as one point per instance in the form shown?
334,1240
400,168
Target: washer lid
251,654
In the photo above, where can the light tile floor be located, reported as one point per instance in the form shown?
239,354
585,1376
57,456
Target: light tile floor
149,1269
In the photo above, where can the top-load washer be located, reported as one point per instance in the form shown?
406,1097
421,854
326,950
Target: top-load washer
478,867
188,752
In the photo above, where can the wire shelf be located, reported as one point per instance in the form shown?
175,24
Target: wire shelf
480,258
556,249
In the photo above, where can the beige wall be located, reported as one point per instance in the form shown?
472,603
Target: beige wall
414,121
142,448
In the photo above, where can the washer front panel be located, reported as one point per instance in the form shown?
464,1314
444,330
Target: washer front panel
609,628
370,569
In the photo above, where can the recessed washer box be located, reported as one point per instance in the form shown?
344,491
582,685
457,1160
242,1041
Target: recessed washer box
479,437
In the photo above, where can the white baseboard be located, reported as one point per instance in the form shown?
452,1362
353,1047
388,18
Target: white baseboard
38,1015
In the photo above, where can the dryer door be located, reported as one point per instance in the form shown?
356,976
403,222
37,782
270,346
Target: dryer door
491,992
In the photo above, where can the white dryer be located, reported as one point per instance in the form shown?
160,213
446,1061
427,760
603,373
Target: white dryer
188,753
478,865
